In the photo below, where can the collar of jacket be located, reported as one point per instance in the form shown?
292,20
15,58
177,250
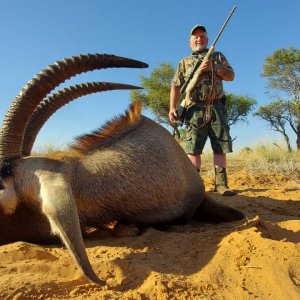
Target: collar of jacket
197,53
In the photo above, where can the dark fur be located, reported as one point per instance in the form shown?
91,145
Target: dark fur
5,169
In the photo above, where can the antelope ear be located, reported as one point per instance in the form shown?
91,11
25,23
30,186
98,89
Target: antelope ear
59,206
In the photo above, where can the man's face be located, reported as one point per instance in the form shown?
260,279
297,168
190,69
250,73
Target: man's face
198,40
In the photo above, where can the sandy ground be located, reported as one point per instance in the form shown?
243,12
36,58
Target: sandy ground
257,258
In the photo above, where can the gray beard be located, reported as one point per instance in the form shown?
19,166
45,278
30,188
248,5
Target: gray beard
198,48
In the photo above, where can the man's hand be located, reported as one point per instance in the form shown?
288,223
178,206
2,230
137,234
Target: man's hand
173,115
174,97
206,66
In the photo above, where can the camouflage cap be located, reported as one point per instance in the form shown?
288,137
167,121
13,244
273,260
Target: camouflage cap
198,26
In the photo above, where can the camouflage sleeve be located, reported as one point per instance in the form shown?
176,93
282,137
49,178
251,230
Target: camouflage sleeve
221,60
178,79
223,69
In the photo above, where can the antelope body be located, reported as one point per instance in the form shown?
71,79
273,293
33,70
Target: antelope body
129,171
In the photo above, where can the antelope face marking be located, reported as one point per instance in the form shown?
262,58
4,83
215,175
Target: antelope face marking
8,197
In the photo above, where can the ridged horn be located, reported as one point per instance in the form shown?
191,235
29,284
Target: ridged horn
48,106
23,106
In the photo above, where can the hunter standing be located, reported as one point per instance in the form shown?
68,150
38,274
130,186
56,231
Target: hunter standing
207,117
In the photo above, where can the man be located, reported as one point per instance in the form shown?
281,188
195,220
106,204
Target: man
207,117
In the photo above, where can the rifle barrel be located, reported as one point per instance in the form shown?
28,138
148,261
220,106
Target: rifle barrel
224,25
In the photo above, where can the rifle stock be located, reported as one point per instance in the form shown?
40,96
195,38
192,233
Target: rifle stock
186,102
190,86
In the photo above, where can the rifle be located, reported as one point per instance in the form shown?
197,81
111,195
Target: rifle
194,77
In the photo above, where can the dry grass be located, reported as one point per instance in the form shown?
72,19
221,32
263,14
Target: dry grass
268,158
48,148
265,158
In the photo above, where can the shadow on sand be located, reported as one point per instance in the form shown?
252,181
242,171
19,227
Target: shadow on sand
153,250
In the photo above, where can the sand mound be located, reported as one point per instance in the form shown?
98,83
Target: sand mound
255,258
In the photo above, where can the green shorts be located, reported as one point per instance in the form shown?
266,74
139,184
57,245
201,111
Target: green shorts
216,129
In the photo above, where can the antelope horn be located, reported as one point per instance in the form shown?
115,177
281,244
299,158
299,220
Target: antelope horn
20,111
48,106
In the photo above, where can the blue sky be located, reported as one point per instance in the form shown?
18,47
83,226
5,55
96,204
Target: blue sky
36,33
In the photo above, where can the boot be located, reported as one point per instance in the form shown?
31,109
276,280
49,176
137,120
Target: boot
221,186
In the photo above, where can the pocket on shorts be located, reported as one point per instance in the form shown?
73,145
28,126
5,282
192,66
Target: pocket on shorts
188,136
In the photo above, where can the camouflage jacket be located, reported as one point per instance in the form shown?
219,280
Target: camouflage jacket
210,86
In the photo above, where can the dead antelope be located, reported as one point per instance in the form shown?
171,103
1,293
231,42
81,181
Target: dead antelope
129,171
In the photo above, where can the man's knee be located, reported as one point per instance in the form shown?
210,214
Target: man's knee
196,160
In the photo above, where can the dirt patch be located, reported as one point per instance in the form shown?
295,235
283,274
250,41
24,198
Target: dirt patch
256,258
